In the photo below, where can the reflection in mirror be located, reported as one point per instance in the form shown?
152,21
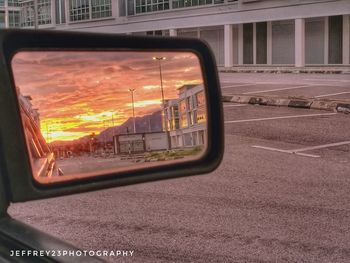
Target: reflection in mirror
91,113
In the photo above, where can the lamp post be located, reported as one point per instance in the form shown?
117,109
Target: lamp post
133,107
159,59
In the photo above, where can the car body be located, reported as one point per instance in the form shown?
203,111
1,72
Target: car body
26,172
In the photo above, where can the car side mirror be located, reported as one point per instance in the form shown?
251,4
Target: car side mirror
89,111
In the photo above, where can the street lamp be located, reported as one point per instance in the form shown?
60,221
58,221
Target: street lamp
159,59
133,107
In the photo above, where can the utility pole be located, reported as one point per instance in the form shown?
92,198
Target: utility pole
133,108
165,121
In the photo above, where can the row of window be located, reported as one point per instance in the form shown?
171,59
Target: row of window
13,19
89,9
9,2
80,10
192,110
187,112
144,6
43,13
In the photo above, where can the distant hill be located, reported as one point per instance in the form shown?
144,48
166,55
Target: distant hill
147,123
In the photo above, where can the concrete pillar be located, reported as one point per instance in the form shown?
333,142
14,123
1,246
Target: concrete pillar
240,44
300,42
228,46
115,8
254,43
269,43
173,32
346,39
6,14
326,40
53,13
66,3
90,9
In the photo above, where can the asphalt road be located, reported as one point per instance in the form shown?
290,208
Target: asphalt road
326,86
281,194
87,164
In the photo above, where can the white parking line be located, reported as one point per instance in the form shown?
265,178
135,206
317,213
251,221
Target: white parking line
335,80
321,146
300,150
263,91
332,94
285,151
235,105
281,117
239,85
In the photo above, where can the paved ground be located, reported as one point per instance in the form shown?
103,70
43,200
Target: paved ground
86,164
329,86
280,195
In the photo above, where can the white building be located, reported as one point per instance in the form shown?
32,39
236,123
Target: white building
25,101
9,13
186,117
241,32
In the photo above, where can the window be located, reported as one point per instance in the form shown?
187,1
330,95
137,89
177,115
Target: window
2,2
81,9
177,124
194,117
130,7
27,13
144,6
200,112
60,9
183,114
12,2
122,7
187,3
14,19
200,98
184,120
183,107
44,12
101,8
2,19
175,112
189,103
201,115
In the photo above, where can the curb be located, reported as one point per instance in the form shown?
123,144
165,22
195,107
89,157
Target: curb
279,69
293,102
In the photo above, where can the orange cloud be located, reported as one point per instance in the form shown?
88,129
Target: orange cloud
79,93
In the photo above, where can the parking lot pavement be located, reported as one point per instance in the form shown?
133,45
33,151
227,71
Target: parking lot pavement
301,132
326,86
261,205
86,164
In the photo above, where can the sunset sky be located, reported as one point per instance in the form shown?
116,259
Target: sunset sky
78,93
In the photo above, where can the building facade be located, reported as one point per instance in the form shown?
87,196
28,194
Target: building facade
9,13
240,32
186,117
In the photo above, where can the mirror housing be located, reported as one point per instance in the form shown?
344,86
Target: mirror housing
15,160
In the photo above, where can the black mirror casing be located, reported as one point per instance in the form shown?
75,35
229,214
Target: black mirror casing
14,158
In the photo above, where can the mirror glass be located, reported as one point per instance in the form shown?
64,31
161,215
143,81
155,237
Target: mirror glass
88,113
